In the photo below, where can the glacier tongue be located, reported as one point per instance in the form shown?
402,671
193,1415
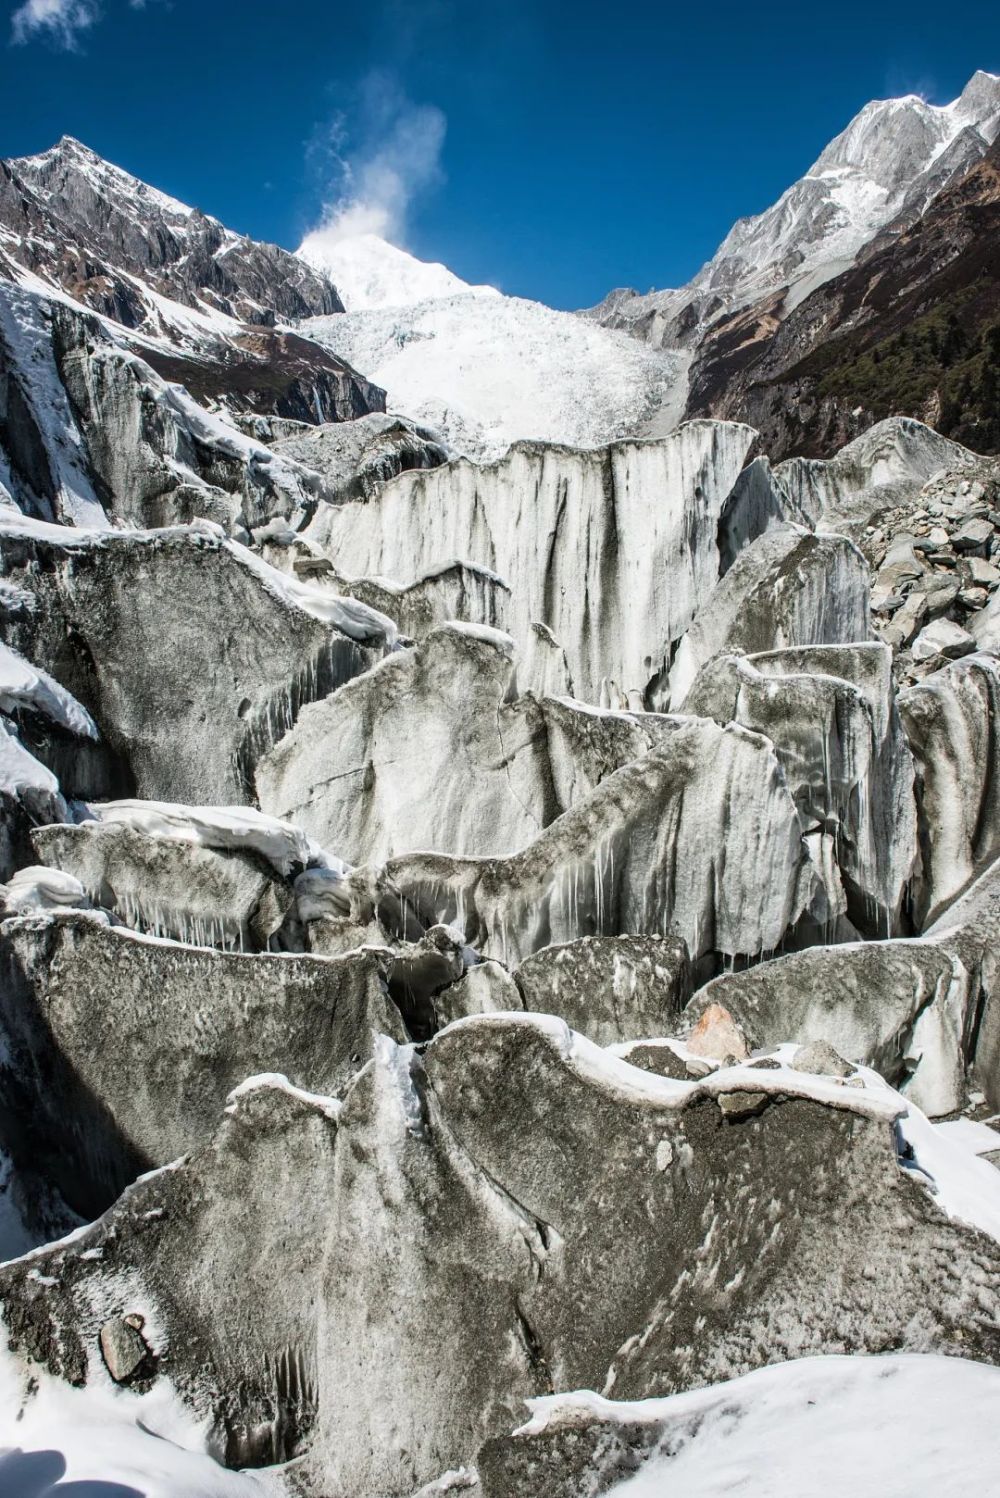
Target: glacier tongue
428,1021
487,371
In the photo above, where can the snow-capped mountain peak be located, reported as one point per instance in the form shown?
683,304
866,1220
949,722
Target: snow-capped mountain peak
369,272
858,184
121,247
69,160
880,172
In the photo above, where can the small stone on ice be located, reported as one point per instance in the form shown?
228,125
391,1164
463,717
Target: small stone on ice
698,1068
742,1104
821,1058
718,1035
123,1347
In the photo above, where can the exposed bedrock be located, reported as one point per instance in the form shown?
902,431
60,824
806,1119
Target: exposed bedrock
609,988
219,1258
950,720
434,750
787,588
699,838
903,1007
612,550
701,1240
123,621
379,1285
109,240
119,1050
830,712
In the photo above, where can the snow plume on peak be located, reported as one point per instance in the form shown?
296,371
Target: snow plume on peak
60,21
370,273
372,174
374,170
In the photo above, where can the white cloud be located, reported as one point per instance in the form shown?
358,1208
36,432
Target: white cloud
61,21
374,168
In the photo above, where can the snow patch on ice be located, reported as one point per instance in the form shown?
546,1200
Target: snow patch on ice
23,685
234,828
21,772
273,1081
108,1440
899,1426
37,890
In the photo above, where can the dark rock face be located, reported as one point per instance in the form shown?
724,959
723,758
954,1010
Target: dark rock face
263,373
128,445
110,229
194,301
908,329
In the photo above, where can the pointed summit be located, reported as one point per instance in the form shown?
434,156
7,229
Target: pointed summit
979,98
369,272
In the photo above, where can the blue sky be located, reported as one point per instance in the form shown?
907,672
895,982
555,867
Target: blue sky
554,150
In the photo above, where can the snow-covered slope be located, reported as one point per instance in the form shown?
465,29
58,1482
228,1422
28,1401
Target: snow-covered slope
489,370
897,1426
369,272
